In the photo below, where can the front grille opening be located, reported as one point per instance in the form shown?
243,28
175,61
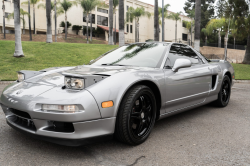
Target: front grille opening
64,127
25,123
20,113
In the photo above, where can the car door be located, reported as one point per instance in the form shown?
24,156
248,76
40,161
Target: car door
188,86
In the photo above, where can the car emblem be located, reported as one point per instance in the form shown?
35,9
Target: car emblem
19,92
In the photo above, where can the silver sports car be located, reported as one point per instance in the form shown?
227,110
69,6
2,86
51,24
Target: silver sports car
120,94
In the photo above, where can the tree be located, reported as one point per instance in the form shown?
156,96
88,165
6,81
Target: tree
29,20
197,37
240,9
18,42
88,6
204,30
191,14
33,2
156,21
48,19
207,11
66,5
176,17
3,7
111,22
115,4
121,23
163,13
57,11
22,15
220,8
77,28
136,14
189,25
62,24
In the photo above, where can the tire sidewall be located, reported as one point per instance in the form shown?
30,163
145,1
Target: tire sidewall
224,104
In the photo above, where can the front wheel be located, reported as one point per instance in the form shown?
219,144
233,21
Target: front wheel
225,93
136,115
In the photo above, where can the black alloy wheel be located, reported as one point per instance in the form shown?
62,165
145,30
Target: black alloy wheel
225,93
136,115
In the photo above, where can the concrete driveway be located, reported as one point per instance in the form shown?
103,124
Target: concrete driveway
202,136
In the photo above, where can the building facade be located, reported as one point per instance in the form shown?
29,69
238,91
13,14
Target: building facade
76,16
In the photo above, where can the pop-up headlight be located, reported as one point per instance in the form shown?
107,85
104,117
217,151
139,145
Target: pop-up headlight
74,83
20,77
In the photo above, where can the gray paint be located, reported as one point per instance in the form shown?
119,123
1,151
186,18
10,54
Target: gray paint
180,91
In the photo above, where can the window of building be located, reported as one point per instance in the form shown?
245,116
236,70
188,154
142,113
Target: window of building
93,18
178,51
131,28
102,20
127,28
127,8
184,37
127,16
102,10
6,14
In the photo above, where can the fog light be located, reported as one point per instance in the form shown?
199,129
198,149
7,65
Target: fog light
60,108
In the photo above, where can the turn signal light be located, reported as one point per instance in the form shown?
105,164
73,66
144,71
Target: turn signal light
107,104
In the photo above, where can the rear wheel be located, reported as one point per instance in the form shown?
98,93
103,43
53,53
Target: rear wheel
225,93
136,116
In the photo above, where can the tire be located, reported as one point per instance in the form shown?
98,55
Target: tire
136,115
225,93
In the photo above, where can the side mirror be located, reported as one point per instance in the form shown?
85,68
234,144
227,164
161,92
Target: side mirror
181,63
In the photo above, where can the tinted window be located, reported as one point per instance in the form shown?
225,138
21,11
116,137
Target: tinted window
93,18
102,10
102,20
142,54
178,51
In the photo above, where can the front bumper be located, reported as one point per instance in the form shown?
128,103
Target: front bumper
83,132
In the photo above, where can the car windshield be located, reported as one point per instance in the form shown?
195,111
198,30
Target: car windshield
140,54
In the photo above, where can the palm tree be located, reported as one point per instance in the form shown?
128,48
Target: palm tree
4,36
121,23
57,11
29,20
18,42
111,22
22,15
115,4
189,26
197,25
191,14
156,21
88,6
48,18
33,2
176,17
163,13
66,5
135,14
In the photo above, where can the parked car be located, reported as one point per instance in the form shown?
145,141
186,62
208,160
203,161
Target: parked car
120,94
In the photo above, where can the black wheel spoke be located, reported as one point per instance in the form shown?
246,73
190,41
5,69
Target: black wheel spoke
139,128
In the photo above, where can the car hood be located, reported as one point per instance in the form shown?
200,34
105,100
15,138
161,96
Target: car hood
56,78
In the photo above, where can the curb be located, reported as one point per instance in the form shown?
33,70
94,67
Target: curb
5,82
242,81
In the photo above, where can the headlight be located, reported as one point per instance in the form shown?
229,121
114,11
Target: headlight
74,83
20,77
60,108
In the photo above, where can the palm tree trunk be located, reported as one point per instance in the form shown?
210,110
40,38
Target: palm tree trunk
65,28
48,16
206,41
225,45
191,35
163,36
34,20
176,31
219,39
23,25
234,42
197,25
138,36
4,35
156,21
29,20
115,31
55,22
87,20
247,54
111,22
18,42
136,31
121,23
90,27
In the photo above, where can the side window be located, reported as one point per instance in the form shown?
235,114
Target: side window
178,51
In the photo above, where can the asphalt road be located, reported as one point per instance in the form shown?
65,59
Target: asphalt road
202,136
